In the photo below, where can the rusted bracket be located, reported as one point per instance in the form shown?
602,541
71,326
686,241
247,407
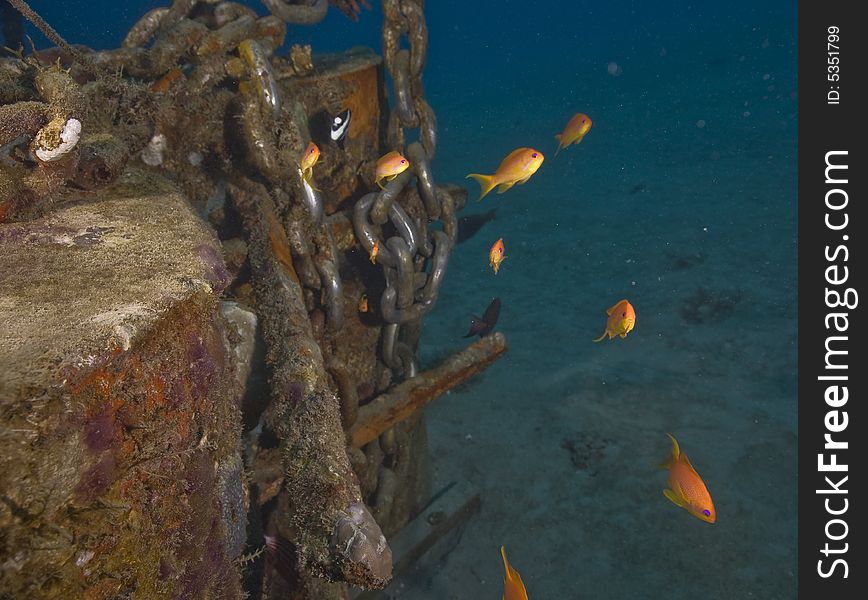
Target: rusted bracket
407,397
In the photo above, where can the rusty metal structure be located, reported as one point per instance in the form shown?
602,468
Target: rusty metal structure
333,437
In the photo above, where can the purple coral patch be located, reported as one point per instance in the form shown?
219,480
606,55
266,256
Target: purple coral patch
295,393
101,432
98,478
12,234
203,370
215,269
199,475
177,394
210,572
165,569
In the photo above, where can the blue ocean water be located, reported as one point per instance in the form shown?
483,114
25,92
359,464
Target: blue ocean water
682,199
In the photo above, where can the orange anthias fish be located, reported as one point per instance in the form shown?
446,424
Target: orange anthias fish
686,488
495,255
308,160
513,586
622,319
390,166
515,168
374,251
573,133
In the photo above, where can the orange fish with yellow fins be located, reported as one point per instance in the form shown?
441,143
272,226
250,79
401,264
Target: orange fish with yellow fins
622,319
515,168
495,255
513,586
308,159
573,133
686,488
389,166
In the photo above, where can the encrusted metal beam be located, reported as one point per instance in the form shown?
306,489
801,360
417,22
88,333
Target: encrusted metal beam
320,509
407,397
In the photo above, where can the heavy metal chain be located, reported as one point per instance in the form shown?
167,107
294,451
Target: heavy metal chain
411,292
414,261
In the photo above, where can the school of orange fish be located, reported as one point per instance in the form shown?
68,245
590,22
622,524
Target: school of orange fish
686,488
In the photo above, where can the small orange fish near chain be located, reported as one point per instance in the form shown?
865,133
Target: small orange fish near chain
308,159
495,255
363,303
622,319
686,488
390,166
374,251
513,586
573,133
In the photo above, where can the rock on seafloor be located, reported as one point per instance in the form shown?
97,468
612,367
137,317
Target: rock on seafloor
119,422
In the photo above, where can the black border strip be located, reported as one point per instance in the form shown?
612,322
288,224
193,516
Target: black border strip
833,129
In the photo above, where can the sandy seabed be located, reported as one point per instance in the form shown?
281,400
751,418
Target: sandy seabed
685,204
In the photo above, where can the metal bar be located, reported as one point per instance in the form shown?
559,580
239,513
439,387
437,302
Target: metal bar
409,396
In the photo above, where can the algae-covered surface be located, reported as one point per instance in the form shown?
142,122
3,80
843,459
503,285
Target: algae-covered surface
118,423
93,274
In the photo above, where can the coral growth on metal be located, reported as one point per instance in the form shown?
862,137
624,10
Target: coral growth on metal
198,94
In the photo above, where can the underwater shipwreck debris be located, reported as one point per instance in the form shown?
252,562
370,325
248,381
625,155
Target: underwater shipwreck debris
119,406
46,29
404,399
320,504
298,13
262,76
57,139
26,186
196,104
301,59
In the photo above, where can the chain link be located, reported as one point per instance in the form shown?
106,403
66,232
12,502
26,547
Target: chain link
410,291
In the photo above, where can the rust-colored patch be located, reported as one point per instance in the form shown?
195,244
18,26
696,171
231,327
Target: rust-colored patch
164,83
404,399
364,103
155,394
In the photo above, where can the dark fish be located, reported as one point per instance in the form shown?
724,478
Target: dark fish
483,326
340,127
468,225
